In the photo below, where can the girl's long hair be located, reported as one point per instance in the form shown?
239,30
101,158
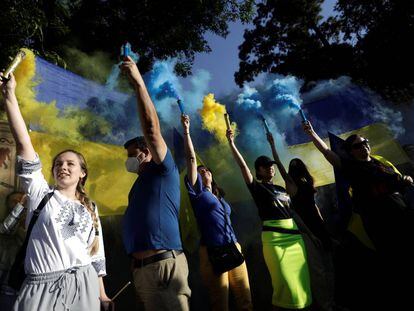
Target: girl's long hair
300,173
82,196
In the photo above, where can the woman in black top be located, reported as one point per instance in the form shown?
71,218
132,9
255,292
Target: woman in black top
283,247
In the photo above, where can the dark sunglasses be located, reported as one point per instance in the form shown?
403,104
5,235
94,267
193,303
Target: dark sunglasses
361,144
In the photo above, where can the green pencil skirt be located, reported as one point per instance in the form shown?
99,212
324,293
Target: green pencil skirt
285,257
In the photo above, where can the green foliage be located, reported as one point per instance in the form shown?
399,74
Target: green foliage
20,23
289,37
156,29
382,31
369,40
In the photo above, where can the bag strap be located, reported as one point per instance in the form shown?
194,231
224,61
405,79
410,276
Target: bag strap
226,216
264,187
34,218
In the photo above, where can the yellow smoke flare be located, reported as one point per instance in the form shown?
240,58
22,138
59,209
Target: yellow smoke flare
212,116
46,116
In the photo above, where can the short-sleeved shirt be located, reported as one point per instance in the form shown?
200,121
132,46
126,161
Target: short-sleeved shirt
212,214
271,200
151,218
64,231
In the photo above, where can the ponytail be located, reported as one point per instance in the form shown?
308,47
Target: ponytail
90,206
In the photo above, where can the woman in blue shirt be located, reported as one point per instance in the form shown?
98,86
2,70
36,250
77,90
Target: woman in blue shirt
213,217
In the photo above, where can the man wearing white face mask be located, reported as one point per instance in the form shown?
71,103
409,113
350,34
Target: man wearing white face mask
150,226
133,151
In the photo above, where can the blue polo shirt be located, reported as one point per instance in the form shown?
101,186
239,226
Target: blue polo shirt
210,215
151,219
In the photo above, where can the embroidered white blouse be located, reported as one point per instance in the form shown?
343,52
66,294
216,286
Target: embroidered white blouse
61,237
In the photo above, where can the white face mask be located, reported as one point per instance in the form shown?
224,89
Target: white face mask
132,164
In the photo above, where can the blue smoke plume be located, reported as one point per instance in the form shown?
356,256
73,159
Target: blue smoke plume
112,80
166,90
164,87
249,98
286,92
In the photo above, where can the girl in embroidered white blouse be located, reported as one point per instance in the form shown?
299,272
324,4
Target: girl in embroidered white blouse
65,259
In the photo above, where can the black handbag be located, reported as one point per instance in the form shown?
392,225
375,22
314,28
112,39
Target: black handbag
226,257
17,273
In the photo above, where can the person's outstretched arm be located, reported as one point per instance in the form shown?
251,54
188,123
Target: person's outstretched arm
291,187
17,125
190,156
150,123
247,175
331,156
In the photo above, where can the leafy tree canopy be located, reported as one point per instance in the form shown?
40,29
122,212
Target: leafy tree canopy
156,29
369,40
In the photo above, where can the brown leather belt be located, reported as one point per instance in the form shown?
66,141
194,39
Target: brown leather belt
139,263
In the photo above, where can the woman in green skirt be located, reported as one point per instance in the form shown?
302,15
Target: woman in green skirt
283,247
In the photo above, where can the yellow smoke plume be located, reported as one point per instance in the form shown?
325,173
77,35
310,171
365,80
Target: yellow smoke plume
212,115
46,117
